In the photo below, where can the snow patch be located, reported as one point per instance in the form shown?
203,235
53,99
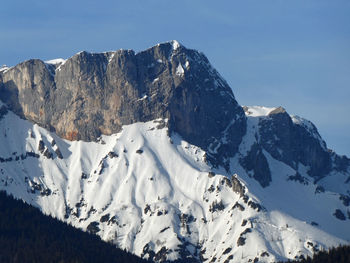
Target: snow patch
257,111
176,45
111,57
56,61
4,68
180,70
143,98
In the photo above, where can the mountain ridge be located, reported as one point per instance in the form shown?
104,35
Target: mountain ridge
265,182
91,94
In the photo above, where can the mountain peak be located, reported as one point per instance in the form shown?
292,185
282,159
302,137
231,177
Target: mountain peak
91,94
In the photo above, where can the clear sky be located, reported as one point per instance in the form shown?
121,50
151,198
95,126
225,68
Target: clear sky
290,53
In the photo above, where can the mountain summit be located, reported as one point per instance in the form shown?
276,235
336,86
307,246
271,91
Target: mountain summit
152,152
88,95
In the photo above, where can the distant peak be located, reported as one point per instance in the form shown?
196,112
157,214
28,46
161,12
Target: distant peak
175,44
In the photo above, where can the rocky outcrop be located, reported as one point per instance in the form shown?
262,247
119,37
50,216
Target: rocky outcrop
294,141
93,94
255,162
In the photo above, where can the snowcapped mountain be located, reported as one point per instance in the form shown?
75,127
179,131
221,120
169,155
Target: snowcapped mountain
151,151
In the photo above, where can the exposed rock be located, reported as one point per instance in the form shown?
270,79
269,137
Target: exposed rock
227,250
341,163
84,176
216,206
244,222
255,206
41,146
239,206
211,189
298,178
93,227
345,199
226,181
339,214
94,94
314,223
3,111
147,251
319,189
164,229
104,218
237,186
277,111
147,209
211,174
161,255
241,241
47,154
112,155
294,142
58,153
265,254
256,161
229,258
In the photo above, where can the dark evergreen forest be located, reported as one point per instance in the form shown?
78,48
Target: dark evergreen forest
339,254
26,235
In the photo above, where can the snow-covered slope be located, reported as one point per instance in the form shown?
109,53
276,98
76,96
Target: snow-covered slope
157,197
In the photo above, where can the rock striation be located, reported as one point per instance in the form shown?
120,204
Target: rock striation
93,94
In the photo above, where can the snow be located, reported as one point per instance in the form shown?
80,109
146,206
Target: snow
4,68
143,97
56,61
176,45
111,57
179,70
258,111
169,177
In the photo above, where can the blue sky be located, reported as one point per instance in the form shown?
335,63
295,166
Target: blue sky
290,53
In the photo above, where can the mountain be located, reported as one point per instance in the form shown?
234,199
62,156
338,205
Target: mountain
152,152
93,94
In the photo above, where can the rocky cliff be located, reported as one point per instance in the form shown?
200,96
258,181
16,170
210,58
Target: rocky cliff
88,95
93,94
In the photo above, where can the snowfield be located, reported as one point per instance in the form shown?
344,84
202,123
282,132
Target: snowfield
156,196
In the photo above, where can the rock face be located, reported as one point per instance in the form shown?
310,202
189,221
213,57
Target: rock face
93,94
295,141
289,139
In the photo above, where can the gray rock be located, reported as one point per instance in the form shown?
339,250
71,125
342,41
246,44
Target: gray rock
94,94
256,162
293,144
339,214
